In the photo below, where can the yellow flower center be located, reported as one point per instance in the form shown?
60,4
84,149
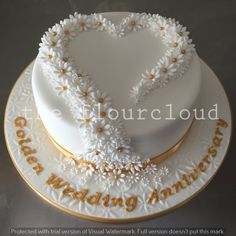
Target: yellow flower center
100,129
120,149
65,59
67,32
53,43
151,77
183,51
101,100
85,93
174,60
133,23
175,45
82,24
62,71
103,114
64,87
164,70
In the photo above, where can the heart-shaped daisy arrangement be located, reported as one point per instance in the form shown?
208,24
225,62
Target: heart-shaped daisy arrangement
108,147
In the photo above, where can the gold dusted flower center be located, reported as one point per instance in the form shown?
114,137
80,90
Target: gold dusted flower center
87,120
164,70
133,23
183,51
64,87
103,113
120,149
53,43
62,71
54,33
85,93
174,60
99,24
79,73
66,32
97,152
82,24
175,45
101,100
65,59
151,77
100,129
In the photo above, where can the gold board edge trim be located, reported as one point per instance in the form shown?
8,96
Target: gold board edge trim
121,220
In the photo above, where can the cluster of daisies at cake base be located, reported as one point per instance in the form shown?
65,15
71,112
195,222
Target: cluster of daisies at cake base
109,148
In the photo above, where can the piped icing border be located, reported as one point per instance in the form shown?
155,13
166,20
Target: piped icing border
106,140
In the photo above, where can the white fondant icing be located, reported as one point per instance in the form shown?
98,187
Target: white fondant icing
123,59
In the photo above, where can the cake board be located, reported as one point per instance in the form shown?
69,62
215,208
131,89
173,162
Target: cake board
49,173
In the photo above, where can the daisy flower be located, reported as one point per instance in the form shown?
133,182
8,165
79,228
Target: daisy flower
89,169
99,22
48,55
150,77
167,69
101,130
63,69
120,151
101,97
84,90
160,26
97,156
175,56
134,167
83,22
55,30
84,118
68,30
134,22
50,42
101,111
118,176
186,49
62,86
181,30
133,178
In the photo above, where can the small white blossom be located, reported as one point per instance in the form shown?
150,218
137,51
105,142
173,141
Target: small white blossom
89,169
83,22
68,31
151,77
101,97
133,178
85,90
118,176
51,42
84,118
48,55
62,86
101,111
134,22
120,151
101,130
99,22
63,69
167,69
55,30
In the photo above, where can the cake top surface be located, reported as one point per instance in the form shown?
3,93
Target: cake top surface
162,53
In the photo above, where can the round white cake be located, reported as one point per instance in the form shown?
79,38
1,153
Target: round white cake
119,50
